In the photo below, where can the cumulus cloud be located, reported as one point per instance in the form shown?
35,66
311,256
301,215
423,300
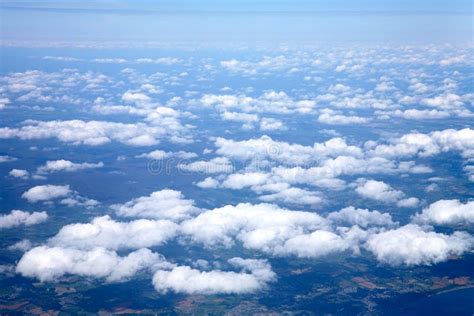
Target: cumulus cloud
105,232
208,183
379,191
361,217
332,117
425,145
260,227
320,243
164,204
411,245
294,196
92,133
6,158
19,173
66,165
415,114
447,213
254,276
49,192
22,245
270,124
160,61
266,148
269,102
160,154
216,165
239,117
46,192
135,97
18,218
239,181
446,101
50,263
4,102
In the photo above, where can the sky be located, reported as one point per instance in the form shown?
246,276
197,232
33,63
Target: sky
238,21
281,178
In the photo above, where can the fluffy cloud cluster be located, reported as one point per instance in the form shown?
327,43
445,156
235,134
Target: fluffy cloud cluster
332,117
18,218
269,102
164,204
277,171
429,144
6,158
66,165
91,133
160,154
46,192
448,213
381,191
361,217
108,233
411,245
89,249
50,263
266,148
263,227
254,276
19,173
216,165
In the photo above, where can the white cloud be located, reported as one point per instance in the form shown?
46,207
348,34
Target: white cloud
332,117
411,245
239,117
94,133
448,213
425,145
266,148
294,196
446,101
237,181
5,158
19,173
109,60
269,124
51,263
315,244
4,102
135,97
160,154
415,114
105,232
254,276
408,202
261,227
208,183
361,217
269,102
161,60
66,165
22,245
453,60
164,204
46,192
61,58
19,218
379,191
216,165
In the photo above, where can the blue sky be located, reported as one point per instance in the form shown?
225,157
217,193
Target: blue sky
242,21
280,178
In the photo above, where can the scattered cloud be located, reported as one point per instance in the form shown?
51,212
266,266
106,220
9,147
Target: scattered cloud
18,218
